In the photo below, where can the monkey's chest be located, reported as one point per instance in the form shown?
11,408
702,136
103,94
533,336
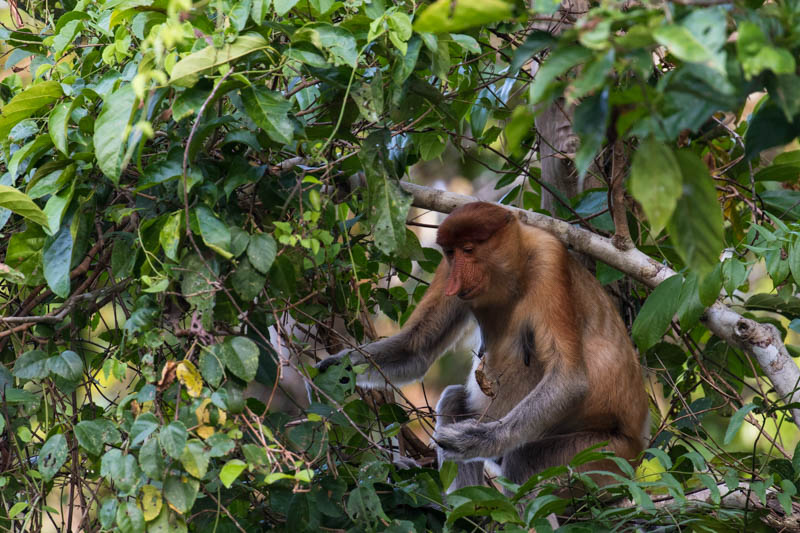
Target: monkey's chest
501,378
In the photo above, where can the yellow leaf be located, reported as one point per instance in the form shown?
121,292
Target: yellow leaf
190,378
151,502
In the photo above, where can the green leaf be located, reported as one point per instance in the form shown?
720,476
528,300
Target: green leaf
283,6
656,182
681,43
211,368
56,259
767,128
756,53
111,131
444,16
31,365
557,64
231,471
67,364
195,459
261,251
736,422
215,233
57,125
169,237
794,260
31,152
696,224
21,204
93,435
151,460
142,427
27,103
656,314
168,521
181,492
130,518
173,438
240,356
246,281
447,473
518,127
57,204
108,513
187,71
269,110
338,44
52,456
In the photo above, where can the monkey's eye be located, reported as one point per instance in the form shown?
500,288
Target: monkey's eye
468,249
449,252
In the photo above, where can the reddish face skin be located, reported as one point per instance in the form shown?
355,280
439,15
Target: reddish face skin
466,237
468,276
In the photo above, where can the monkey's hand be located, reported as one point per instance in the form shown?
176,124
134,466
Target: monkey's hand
469,439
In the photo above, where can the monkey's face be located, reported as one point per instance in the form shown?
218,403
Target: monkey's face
468,277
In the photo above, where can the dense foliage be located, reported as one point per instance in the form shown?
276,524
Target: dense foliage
179,177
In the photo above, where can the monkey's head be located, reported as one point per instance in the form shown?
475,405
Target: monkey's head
468,237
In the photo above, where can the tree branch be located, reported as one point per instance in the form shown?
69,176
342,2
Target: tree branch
761,341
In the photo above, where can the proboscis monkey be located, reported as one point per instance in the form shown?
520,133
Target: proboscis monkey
557,372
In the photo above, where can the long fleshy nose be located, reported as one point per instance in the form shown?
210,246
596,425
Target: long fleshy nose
454,279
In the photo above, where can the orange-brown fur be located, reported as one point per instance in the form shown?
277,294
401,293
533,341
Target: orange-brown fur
560,368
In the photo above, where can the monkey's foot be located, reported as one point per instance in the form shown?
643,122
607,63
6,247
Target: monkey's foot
468,440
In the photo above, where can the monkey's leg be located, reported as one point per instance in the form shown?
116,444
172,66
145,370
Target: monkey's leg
522,463
453,407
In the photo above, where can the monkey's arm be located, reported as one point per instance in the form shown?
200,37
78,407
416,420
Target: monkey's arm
548,403
433,326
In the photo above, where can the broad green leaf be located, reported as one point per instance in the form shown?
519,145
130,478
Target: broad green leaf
67,364
57,204
151,460
557,64
21,204
262,250
187,71
130,518
27,103
17,508
195,459
444,16
240,356
336,42
681,43
231,471
93,435
794,260
247,281
447,474
283,6
656,314
181,492
769,127
655,182
111,131
31,365
169,237
756,53
696,224
56,259
168,521
173,438
211,368
31,151
108,513
143,427
269,110
151,502
58,122
214,232
736,422
52,456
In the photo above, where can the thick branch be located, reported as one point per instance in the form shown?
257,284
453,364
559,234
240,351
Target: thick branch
761,341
